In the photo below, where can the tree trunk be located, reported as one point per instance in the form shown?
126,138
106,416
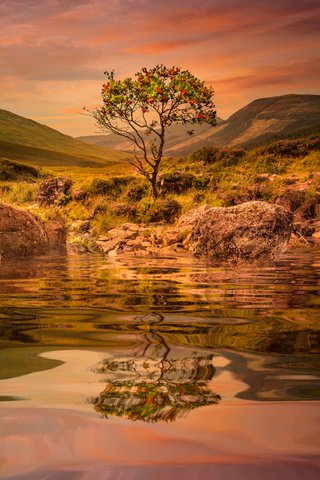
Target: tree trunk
154,185
154,178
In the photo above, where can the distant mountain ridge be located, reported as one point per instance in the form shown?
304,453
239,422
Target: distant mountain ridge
260,122
27,140
174,134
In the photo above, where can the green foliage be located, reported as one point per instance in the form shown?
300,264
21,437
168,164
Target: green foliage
159,89
270,164
176,182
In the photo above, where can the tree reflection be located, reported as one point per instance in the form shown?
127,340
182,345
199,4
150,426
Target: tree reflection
158,382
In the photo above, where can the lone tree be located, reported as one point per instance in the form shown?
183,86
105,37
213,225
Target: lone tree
142,109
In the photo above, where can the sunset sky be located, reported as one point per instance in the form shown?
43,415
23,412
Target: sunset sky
53,52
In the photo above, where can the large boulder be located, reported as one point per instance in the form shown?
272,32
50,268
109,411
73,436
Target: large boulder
247,232
23,234
54,191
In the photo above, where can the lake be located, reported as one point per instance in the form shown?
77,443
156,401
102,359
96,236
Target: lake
160,368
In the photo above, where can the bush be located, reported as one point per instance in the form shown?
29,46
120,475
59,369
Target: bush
113,186
125,210
163,211
180,182
10,170
209,155
175,182
245,193
137,190
292,148
231,156
270,164
206,155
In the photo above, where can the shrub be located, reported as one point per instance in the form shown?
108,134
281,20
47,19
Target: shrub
125,210
10,170
113,186
269,164
175,182
209,155
206,155
163,210
137,190
292,148
231,156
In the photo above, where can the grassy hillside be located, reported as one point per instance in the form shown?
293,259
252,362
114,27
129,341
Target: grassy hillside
259,123
26,140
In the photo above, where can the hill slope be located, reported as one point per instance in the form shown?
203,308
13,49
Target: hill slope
260,122
27,140
174,135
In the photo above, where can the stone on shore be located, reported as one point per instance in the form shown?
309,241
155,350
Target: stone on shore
23,234
247,232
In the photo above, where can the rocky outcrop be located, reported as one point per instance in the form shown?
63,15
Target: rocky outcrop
247,232
23,234
54,191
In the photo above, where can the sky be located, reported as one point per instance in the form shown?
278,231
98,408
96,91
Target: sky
53,52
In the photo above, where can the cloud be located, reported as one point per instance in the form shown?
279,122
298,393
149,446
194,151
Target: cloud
268,75
246,47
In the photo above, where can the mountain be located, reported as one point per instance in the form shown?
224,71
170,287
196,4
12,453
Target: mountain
260,122
175,134
26,140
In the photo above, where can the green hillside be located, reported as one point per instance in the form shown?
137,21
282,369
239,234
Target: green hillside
26,140
261,122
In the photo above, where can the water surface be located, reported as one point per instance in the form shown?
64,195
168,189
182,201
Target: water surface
159,367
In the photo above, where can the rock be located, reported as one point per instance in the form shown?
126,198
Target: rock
79,226
191,217
246,232
118,238
54,190
23,234
79,195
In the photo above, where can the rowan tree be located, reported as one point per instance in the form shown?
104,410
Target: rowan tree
141,109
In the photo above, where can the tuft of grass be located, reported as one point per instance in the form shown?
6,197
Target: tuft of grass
19,193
